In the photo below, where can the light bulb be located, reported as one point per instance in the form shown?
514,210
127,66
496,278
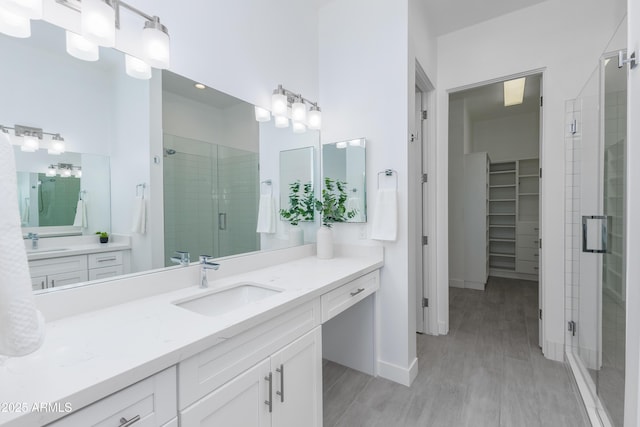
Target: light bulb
282,121
13,24
299,127
314,118
155,42
298,111
30,9
356,143
51,171
30,143
278,103
81,48
342,144
98,20
262,115
57,145
137,68
65,173
78,173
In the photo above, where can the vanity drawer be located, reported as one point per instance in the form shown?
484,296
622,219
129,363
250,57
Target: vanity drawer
105,272
206,371
46,267
527,267
153,400
63,279
39,283
105,259
340,299
528,254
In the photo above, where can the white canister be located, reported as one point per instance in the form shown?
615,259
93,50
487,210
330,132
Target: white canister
324,242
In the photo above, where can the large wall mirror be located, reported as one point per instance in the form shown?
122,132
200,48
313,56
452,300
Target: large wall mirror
202,152
345,161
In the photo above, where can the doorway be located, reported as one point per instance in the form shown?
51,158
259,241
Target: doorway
494,191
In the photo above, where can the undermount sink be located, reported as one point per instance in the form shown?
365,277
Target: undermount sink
221,302
31,251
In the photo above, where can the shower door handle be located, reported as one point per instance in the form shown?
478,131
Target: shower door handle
595,234
222,221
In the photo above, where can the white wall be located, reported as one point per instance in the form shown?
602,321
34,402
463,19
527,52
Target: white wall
477,54
632,396
508,138
457,132
363,92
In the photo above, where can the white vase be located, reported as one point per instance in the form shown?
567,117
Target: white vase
296,235
324,242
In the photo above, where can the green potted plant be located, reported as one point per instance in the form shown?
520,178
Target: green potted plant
333,208
104,236
301,208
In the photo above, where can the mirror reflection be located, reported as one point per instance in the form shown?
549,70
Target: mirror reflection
296,185
155,180
345,161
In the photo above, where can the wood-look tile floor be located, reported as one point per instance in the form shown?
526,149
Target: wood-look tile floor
489,371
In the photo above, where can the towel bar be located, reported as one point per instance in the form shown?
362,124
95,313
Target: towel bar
388,172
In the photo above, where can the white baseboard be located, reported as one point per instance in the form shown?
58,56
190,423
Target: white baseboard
398,374
478,286
512,275
456,283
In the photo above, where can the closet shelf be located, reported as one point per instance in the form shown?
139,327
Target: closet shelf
529,194
501,226
502,200
502,214
502,186
528,176
501,172
498,254
491,239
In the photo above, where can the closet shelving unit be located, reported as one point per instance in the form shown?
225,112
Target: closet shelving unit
613,280
502,216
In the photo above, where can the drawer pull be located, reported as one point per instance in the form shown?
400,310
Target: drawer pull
281,392
535,255
269,402
353,294
535,268
107,259
126,423
536,229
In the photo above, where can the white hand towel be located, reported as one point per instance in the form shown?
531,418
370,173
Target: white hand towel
266,215
80,219
385,215
26,207
21,324
139,216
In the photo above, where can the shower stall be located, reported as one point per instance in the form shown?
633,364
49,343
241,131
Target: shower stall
595,142
211,196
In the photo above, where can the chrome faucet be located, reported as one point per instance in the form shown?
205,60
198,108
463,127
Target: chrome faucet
34,240
206,264
183,258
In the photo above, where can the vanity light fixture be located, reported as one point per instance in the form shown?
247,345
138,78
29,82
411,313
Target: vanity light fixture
137,68
30,139
65,170
30,9
57,145
341,144
98,22
101,18
81,48
356,143
51,171
285,104
262,114
514,92
199,86
13,24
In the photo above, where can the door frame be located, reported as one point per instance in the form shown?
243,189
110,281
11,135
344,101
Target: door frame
427,317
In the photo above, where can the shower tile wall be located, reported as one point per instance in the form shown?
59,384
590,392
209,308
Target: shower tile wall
57,199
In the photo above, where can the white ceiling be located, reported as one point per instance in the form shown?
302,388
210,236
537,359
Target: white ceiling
185,87
487,102
446,16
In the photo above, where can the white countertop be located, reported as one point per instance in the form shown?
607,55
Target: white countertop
82,249
91,355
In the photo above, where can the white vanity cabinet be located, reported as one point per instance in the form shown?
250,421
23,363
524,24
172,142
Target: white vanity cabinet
233,380
66,270
52,272
148,403
283,390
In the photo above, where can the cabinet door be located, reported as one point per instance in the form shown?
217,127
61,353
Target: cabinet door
105,272
62,279
238,403
297,393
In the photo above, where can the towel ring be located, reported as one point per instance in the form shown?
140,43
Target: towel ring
388,172
268,183
142,186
